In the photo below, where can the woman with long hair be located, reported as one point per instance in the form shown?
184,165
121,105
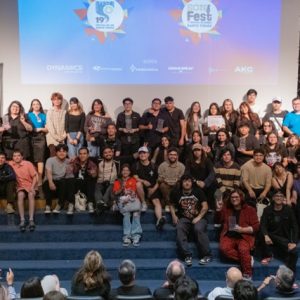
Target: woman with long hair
92,278
230,115
267,127
161,152
293,150
74,124
15,130
38,136
95,126
193,121
32,288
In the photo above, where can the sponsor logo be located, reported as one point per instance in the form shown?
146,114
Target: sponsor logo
65,68
244,69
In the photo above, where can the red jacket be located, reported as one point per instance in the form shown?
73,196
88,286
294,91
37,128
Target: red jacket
248,217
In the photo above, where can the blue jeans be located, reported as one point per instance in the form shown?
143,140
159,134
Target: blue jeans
94,150
73,149
132,228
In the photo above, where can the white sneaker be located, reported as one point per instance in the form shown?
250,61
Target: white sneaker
144,207
70,210
91,207
47,210
167,208
57,209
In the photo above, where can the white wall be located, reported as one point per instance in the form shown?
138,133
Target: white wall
142,95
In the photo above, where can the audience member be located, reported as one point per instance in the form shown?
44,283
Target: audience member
7,183
291,122
175,270
244,290
74,126
191,205
32,288
54,295
293,150
266,128
51,283
127,276
161,152
92,278
27,180
230,116
8,292
296,194
55,123
251,96
233,275
239,226
193,121
186,288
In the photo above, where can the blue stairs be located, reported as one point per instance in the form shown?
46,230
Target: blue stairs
60,243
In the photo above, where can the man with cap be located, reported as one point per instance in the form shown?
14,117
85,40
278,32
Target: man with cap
276,115
279,230
146,175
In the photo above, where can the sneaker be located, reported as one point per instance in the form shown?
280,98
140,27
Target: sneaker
144,207
126,241
91,207
22,226
205,260
47,210
167,208
160,223
57,209
9,209
31,225
136,241
100,207
188,261
70,210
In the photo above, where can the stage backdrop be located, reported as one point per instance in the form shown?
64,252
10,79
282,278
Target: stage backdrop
193,50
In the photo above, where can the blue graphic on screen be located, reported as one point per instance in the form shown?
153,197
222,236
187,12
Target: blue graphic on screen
222,42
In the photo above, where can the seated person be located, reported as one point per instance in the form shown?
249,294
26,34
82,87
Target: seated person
32,288
7,183
191,205
59,181
244,290
127,274
279,230
85,172
51,283
27,179
175,270
186,288
8,292
280,286
54,295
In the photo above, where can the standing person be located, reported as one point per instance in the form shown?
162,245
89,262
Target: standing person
146,175
239,225
95,126
74,125
15,130
230,116
266,128
191,205
85,173
169,174
291,122
7,183
153,125
27,179
37,118
276,115
251,97
193,121
55,123
124,190
128,127
176,122
279,230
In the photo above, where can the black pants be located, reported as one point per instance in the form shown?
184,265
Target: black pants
252,201
8,190
184,228
87,186
65,191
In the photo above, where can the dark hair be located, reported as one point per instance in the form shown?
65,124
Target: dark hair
106,147
251,91
271,123
186,288
172,149
57,95
74,100
239,192
227,135
32,288
61,147
127,271
102,111
41,106
225,150
243,123
295,99
156,99
259,150
18,151
111,124
125,166
169,99
185,177
127,99
84,148
20,107
244,290
3,154
54,295
217,107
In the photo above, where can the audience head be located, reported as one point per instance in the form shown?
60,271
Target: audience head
284,278
97,107
57,99
258,155
127,272
83,154
169,103
186,182
36,105
251,95
156,104
244,290
232,276
54,295
51,283
186,288
226,155
32,288
236,199
107,153
125,170
2,158
175,269
214,109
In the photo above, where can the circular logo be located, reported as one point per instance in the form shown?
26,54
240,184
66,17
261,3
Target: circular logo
200,16
105,15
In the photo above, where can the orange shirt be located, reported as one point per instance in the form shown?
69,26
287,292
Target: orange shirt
130,184
25,172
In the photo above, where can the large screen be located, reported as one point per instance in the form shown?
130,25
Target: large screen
180,42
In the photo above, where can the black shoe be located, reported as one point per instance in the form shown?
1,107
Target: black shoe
31,225
100,207
160,223
22,226
188,261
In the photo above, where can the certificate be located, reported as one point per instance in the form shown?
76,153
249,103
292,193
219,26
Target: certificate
217,121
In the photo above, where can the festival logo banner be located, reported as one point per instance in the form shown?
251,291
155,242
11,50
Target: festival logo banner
197,19
103,18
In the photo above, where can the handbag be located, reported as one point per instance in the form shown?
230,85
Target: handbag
128,203
80,201
261,205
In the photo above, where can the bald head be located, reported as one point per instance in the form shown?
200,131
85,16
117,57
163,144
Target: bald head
175,270
232,276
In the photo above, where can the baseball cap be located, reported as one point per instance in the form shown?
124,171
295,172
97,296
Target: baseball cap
277,99
197,146
143,149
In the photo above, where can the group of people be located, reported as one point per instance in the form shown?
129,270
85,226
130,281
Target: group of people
92,279
185,166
